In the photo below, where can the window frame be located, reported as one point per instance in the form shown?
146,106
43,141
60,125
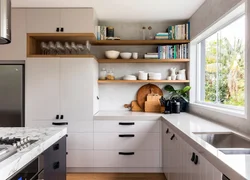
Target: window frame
196,73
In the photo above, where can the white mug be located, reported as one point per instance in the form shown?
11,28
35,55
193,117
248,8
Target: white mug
135,55
173,77
180,77
169,78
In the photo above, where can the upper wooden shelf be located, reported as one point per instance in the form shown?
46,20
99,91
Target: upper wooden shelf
142,81
62,56
139,42
143,60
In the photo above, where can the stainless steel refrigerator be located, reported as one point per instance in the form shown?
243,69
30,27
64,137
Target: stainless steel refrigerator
11,95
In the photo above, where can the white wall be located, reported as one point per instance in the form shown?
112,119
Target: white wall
210,12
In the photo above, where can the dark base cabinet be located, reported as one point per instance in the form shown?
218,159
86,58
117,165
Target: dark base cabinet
55,161
50,165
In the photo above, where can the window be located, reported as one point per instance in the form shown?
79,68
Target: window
221,66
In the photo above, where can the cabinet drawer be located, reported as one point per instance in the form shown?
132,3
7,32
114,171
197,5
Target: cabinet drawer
138,159
80,158
125,141
74,126
126,126
80,141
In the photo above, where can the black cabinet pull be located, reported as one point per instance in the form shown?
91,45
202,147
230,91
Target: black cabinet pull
126,123
224,177
67,153
56,147
56,165
172,137
126,153
126,135
60,124
67,135
61,117
193,157
196,160
62,29
57,29
57,116
167,131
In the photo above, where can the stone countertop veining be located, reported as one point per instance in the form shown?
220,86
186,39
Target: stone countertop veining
237,167
45,138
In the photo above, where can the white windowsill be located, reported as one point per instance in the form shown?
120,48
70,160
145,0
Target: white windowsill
232,112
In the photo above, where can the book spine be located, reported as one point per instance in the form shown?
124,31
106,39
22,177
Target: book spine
98,32
159,52
188,30
170,32
173,32
179,31
164,52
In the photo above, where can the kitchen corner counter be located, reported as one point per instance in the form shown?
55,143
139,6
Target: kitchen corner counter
126,115
235,166
45,138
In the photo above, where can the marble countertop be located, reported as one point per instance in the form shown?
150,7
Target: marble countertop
237,167
45,138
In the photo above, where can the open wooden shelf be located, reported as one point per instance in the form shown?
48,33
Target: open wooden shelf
138,42
143,60
141,81
61,56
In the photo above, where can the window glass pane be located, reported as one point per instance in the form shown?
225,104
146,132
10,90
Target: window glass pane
223,55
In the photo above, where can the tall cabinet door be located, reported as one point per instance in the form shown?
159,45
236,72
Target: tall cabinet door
42,89
76,89
77,20
43,20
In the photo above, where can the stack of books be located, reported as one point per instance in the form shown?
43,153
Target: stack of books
151,56
101,32
179,32
161,35
179,51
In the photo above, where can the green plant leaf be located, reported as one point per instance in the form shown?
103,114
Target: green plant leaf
169,88
185,90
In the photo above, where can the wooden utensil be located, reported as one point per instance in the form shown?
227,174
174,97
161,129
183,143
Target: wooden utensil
134,106
144,91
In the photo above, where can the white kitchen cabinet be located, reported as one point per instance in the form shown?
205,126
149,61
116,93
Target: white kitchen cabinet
16,50
109,126
78,20
80,158
43,20
117,141
42,98
59,20
177,163
77,141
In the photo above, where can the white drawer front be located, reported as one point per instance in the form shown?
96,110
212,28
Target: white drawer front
114,159
74,126
126,126
140,141
80,158
80,141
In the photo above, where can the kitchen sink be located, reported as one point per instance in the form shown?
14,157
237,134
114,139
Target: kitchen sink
228,143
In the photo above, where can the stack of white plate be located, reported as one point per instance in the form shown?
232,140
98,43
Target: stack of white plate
129,77
142,75
154,76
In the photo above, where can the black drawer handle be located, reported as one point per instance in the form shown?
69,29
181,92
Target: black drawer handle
67,135
196,160
126,135
67,153
167,131
56,165
61,117
60,124
57,116
193,157
126,123
126,153
62,29
172,137
57,29
225,177
56,147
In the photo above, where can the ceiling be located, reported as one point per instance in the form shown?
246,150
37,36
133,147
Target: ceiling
125,10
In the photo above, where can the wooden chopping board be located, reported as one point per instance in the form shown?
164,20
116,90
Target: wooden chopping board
144,91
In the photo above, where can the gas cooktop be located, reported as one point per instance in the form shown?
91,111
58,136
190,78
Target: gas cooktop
9,146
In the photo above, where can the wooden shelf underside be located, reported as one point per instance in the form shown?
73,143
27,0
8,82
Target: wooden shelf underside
61,56
143,60
139,42
141,81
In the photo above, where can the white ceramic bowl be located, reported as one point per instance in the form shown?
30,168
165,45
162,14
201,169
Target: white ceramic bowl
129,77
112,54
126,55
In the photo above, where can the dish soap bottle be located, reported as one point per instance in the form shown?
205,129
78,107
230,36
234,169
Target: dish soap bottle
103,74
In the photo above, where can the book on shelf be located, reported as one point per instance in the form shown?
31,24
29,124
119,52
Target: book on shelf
151,56
173,51
98,33
103,32
179,32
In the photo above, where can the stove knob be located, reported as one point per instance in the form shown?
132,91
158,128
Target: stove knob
18,144
28,139
25,140
15,145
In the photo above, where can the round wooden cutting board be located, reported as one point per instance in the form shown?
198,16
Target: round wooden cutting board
144,91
